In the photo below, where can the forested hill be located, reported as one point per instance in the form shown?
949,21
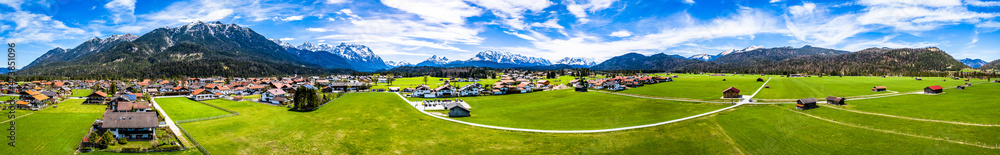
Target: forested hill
864,62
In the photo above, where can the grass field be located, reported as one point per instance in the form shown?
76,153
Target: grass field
976,104
180,108
570,110
434,82
379,123
706,87
53,130
81,92
960,132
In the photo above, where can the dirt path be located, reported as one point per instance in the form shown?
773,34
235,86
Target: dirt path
931,137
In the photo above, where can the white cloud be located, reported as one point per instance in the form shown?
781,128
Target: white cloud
512,11
336,1
29,27
688,1
522,36
916,18
774,1
286,39
551,23
930,3
186,12
886,41
293,18
580,9
16,4
982,3
317,29
804,9
444,11
402,32
817,27
122,11
621,33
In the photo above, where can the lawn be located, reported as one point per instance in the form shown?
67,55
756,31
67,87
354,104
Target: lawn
180,108
805,87
435,82
968,133
775,130
570,110
7,98
53,130
81,92
380,123
701,87
975,104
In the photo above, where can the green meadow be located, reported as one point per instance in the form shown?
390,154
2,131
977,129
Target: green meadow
81,92
975,104
180,108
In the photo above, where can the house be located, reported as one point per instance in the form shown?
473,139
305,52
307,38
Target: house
796,75
919,79
467,90
271,94
835,100
936,89
131,106
96,97
457,110
879,89
201,94
131,125
806,104
542,83
731,92
524,87
424,91
393,89
349,86
760,79
445,90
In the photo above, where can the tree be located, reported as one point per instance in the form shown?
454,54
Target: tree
107,139
425,79
305,98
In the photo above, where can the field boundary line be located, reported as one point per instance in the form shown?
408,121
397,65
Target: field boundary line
17,117
659,98
976,144
914,119
738,146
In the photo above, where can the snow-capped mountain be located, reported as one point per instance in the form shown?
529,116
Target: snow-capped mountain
577,62
707,57
88,47
435,61
359,56
397,64
974,63
704,57
509,58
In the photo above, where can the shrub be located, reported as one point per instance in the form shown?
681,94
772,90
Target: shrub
169,147
122,141
131,149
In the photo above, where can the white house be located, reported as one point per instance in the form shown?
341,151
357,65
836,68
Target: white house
270,94
470,89
445,91
424,91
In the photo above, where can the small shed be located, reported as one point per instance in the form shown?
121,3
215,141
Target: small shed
806,104
767,86
936,89
731,92
961,87
918,79
835,100
580,88
760,79
458,111
879,88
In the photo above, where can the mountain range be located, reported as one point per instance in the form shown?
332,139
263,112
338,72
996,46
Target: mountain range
974,63
346,56
501,59
707,57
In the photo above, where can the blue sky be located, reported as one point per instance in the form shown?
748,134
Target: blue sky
413,30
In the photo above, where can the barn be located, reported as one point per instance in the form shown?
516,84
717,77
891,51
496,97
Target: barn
457,110
731,92
806,104
760,80
879,89
835,100
936,89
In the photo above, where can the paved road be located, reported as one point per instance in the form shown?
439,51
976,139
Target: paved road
745,100
170,123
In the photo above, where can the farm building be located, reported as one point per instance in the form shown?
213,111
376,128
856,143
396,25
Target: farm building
879,88
835,100
760,79
731,92
918,79
961,87
796,75
96,97
806,104
936,89
457,110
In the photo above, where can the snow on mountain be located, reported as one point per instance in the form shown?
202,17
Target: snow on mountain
703,57
283,44
577,61
974,63
397,64
435,61
510,58
348,51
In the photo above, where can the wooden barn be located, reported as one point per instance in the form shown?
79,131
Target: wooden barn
936,89
835,100
918,79
960,87
457,110
879,88
731,92
760,79
806,104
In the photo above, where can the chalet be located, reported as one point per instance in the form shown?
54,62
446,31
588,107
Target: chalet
65,91
731,92
445,90
21,104
127,106
131,125
835,100
394,89
467,90
796,75
879,89
543,83
271,94
806,104
760,79
349,86
424,91
524,87
457,110
201,94
936,89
